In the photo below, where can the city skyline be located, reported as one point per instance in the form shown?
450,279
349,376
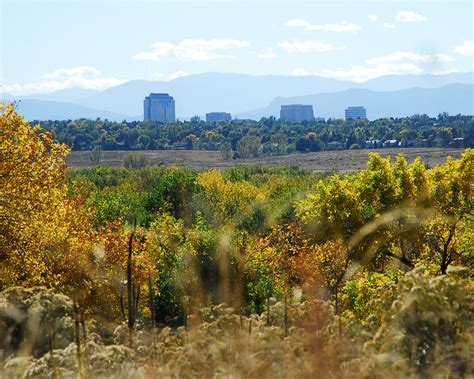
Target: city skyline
85,44
160,107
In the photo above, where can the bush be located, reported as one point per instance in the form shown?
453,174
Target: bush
96,155
135,160
427,330
226,151
32,319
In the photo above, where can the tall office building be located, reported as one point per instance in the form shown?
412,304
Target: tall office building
297,113
356,112
218,116
159,107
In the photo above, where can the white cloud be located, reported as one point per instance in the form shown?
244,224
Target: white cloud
80,71
308,46
192,49
467,48
410,16
300,72
396,63
81,76
361,74
267,54
373,17
398,56
340,27
445,72
178,74
388,25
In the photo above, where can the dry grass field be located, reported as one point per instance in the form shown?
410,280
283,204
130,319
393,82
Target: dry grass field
342,161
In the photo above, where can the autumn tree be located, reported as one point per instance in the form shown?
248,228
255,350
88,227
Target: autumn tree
44,234
451,196
395,211
228,200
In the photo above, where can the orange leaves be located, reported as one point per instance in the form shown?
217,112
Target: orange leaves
323,265
110,263
294,259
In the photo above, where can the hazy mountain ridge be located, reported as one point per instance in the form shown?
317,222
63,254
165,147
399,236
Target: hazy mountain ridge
198,94
238,93
452,98
63,95
32,109
234,93
401,82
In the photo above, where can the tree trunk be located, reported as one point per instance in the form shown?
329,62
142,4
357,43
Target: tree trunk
130,300
77,335
150,300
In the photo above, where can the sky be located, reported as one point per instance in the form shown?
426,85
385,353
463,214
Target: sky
49,45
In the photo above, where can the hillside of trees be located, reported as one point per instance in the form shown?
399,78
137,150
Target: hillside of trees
269,136
252,272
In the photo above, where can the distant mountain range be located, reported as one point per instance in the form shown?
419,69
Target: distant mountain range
452,98
239,94
64,95
55,110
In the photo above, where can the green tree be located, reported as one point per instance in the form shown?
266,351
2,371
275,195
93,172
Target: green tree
96,154
226,151
249,146
136,160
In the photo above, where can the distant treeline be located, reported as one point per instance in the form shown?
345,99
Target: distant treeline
269,136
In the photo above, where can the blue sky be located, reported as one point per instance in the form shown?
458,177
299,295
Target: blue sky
50,45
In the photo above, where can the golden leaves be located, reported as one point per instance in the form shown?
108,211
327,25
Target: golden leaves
44,236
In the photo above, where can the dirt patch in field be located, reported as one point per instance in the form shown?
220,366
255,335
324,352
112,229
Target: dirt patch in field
342,161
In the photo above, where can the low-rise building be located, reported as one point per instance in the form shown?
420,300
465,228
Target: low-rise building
297,113
358,112
218,116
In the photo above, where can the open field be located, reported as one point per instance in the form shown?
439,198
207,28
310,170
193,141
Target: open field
342,160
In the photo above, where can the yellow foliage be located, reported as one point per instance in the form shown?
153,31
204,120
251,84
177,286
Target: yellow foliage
323,265
403,211
44,235
227,198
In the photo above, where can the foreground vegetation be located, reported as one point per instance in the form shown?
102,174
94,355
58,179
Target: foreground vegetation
269,136
165,271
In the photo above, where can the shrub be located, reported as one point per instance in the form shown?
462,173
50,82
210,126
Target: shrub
136,160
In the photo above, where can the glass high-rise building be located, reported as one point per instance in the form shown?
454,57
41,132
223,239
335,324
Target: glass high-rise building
358,112
297,113
159,107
